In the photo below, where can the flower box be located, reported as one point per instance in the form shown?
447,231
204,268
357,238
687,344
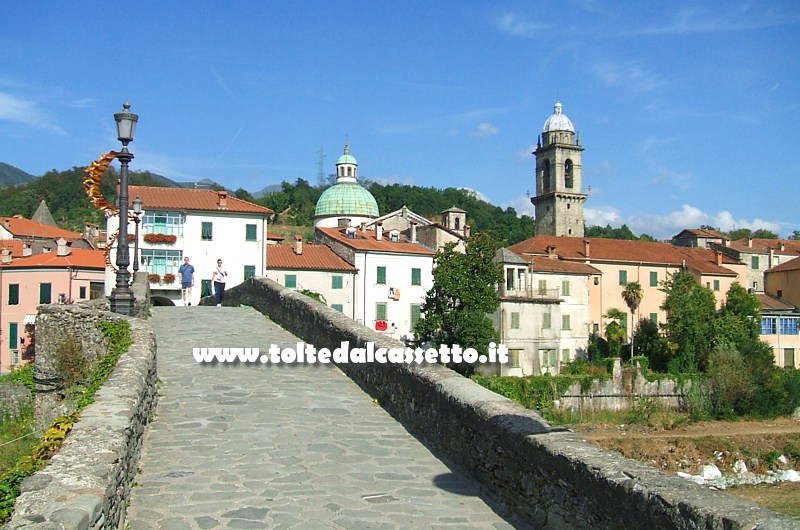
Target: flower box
169,278
160,239
154,278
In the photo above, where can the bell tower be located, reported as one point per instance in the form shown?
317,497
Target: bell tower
559,178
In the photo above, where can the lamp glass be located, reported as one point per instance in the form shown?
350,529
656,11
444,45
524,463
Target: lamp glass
126,123
137,205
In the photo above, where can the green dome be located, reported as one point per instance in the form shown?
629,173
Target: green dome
346,198
346,158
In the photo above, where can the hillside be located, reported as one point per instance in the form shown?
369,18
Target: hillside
12,176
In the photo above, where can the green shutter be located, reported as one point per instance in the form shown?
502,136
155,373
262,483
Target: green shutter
249,271
45,295
290,281
13,294
380,311
654,279
12,336
206,231
623,277
416,311
250,232
336,282
338,307
381,275
565,322
565,288
716,285
654,318
546,321
416,276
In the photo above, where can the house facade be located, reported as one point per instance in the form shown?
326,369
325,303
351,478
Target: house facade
316,268
64,275
203,225
759,256
779,328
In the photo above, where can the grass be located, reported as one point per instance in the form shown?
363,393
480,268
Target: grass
16,440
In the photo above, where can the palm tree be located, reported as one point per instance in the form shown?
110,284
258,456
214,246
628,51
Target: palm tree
633,294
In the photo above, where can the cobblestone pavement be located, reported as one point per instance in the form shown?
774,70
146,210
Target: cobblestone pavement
261,446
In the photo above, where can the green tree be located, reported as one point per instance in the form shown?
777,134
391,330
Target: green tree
691,309
633,294
739,319
463,294
763,233
795,235
615,332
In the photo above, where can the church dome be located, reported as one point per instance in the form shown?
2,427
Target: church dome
347,158
558,121
347,198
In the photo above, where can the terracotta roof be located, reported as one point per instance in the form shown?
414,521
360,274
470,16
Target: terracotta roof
547,264
762,246
770,302
21,227
624,251
314,257
78,257
191,199
365,241
703,232
275,237
791,265
14,245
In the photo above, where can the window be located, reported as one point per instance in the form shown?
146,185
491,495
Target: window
565,322
509,279
653,279
249,271
416,311
97,290
205,288
754,262
788,326
768,326
290,281
206,231
82,294
565,355
416,276
788,357
163,223
250,232
336,282
654,318
12,335
542,286
716,285
565,288
13,294
380,311
45,293
514,320
780,293
548,358
546,321
623,277
338,307
597,280
381,276
160,261
568,179
513,358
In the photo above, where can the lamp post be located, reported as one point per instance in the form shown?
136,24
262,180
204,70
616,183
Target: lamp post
137,209
121,295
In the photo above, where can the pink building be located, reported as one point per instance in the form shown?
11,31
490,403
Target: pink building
63,275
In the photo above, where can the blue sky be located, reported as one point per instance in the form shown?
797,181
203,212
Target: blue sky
688,111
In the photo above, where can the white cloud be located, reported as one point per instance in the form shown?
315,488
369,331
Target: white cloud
602,216
512,24
522,205
667,225
705,20
628,75
485,129
476,194
28,113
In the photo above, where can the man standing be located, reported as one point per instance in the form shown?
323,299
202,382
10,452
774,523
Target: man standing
187,281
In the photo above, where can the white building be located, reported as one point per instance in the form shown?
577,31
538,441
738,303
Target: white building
204,225
394,274
543,317
315,268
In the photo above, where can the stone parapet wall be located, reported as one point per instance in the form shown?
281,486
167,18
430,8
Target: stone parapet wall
544,477
13,397
87,483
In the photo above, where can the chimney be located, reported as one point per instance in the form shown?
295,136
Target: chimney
222,195
379,232
467,231
6,256
62,249
718,257
771,257
781,246
587,249
27,248
298,245
551,251
749,242
413,231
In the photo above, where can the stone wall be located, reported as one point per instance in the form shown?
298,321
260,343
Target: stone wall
13,397
87,483
546,477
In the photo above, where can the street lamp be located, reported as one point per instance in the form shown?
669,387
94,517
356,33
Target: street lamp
137,210
121,295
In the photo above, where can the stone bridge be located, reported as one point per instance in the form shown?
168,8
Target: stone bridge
250,445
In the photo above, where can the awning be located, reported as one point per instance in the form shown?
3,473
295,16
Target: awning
30,319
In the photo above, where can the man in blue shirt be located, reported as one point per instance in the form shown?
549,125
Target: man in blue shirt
187,281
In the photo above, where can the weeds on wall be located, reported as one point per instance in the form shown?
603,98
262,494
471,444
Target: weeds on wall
118,338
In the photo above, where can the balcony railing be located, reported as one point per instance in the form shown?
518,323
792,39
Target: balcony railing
530,293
